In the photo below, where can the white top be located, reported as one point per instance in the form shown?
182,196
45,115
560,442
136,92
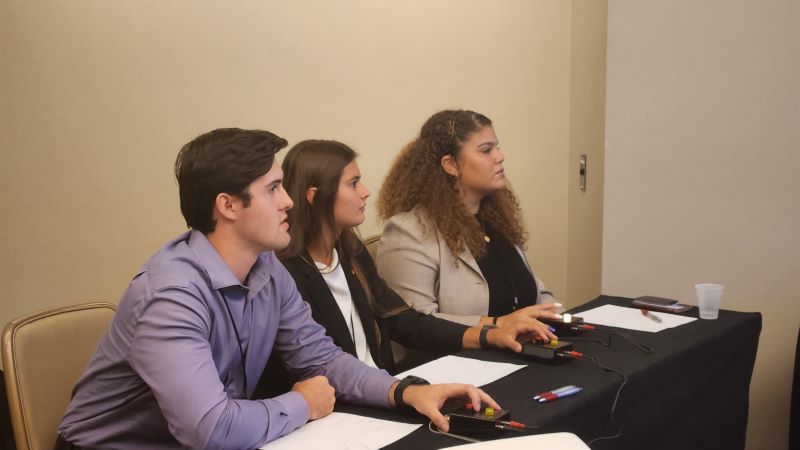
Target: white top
337,283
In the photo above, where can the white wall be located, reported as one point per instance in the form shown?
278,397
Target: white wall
702,154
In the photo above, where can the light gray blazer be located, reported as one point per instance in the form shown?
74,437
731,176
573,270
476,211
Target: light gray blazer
420,267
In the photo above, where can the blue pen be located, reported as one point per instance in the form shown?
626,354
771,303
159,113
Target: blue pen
566,393
555,391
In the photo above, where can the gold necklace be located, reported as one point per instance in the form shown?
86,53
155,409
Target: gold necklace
326,269
485,236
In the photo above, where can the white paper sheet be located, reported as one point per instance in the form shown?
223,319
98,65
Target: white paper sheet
454,369
632,319
340,431
551,441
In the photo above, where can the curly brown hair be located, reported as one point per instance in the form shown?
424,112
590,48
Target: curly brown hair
417,180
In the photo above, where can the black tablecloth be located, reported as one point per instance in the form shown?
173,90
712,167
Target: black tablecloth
690,393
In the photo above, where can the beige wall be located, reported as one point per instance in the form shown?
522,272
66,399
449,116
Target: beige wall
97,97
702,150
587,123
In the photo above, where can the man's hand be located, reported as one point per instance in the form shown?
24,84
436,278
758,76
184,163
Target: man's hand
428,399
511,335
319,395
530,313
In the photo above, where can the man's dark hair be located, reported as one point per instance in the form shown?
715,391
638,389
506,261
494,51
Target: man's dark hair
225,160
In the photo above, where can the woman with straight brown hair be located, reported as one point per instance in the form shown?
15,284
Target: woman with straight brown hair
452,243
337,277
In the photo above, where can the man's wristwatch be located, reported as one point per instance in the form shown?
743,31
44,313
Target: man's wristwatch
398,391
482,337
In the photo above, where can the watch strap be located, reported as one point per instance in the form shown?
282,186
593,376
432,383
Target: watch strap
401,388
484,343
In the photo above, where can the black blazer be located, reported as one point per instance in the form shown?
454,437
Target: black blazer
410,328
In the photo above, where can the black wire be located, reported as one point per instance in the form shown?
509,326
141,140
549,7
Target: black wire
603,438
630,339
599,365
242,353
610,334
587,339
596,362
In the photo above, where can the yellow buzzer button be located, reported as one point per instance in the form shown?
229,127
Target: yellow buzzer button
554,342
489,411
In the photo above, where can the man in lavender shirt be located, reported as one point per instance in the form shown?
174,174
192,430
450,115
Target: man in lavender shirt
197,324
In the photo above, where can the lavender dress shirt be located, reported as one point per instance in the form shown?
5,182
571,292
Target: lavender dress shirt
168,373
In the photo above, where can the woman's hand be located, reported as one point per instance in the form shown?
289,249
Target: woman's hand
511,335
530,313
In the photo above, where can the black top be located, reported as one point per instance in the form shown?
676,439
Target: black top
404,325
511,284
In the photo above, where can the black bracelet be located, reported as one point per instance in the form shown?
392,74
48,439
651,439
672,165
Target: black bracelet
401,388
482,337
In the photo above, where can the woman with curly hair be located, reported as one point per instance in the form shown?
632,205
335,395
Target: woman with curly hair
336,276
451,245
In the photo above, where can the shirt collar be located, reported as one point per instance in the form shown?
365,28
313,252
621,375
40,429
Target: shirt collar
220,274
218,271
260,273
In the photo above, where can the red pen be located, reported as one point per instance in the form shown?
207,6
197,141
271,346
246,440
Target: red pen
573,391
554,391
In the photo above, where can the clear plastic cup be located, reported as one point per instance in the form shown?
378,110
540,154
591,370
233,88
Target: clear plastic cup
709,296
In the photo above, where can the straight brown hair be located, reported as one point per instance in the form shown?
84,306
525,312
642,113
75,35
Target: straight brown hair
319,164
